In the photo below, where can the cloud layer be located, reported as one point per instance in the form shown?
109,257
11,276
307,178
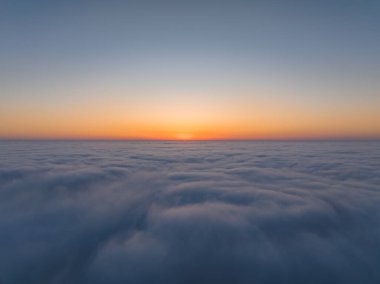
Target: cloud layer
193,212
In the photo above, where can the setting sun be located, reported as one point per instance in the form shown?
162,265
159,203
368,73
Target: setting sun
184,136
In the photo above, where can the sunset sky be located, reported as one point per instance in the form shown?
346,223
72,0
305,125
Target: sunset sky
154,69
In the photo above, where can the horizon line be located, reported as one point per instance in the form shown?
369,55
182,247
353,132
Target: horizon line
332,139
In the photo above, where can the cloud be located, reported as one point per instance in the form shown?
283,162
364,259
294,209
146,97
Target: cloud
215,212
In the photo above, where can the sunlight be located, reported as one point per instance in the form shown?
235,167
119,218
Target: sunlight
184,136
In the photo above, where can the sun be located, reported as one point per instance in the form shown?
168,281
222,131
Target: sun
184,136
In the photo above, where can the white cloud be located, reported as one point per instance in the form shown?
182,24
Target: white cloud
214,212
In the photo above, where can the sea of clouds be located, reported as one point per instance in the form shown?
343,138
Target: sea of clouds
189,212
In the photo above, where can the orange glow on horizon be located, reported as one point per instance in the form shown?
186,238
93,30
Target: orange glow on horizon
188,120
184,136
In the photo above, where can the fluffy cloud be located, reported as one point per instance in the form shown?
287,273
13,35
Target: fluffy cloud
194,212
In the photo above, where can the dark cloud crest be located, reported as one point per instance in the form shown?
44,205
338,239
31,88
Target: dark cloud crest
194,212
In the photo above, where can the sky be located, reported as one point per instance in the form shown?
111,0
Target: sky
189,69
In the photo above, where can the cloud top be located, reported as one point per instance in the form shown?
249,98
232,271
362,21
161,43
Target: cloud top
193,212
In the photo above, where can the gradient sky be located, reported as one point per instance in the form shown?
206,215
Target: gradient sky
190,69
